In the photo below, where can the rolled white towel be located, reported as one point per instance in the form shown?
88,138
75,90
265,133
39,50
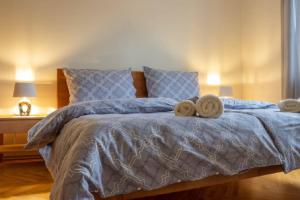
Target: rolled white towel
289,105
209,106
185,108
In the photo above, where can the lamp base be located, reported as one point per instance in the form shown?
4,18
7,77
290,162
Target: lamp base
24,108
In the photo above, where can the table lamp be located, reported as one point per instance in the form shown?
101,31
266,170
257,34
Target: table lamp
23,90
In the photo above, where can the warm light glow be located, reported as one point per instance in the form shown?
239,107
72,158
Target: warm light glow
50,110
24,99
35,110
24,74
213,79
25,108
14,111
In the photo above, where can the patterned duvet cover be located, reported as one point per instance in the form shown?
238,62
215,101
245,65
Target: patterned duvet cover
113,147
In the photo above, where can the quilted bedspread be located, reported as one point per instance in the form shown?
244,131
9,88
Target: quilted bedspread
113,147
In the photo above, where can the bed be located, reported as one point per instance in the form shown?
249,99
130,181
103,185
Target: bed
275,165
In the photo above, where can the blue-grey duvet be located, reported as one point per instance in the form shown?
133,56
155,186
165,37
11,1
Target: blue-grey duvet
113,147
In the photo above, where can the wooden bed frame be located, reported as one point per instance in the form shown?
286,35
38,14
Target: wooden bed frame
140,85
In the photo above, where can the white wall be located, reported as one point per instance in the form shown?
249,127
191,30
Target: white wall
261,49
201,35
209,36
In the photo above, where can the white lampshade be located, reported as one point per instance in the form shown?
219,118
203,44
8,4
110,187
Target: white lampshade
225,91
24,89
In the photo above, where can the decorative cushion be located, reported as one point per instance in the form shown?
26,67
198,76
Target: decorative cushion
88,84
172,84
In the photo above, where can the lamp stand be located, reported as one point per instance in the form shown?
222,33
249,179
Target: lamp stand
24,108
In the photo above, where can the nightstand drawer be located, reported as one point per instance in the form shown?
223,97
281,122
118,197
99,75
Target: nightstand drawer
12,129
12,148
17,126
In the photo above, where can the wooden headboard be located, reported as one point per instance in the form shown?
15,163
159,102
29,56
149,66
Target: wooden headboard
63,92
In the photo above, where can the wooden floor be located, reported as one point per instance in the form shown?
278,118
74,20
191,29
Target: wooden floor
31,181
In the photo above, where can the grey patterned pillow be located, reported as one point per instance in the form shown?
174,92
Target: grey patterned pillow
172,84
88,84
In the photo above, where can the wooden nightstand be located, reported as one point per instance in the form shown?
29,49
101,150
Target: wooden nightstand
13,126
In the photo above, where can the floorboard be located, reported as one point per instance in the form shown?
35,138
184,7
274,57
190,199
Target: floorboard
31,181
